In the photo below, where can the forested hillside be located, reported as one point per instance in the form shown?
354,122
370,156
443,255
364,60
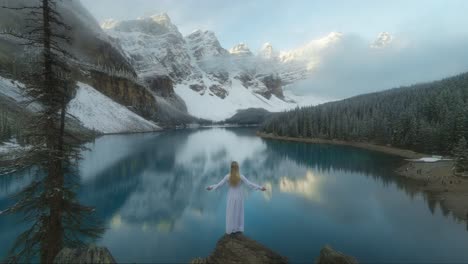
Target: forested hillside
428,117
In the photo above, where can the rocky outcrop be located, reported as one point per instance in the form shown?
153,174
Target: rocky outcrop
218,91
197,87
274,86
238,249
124,91
161,85
92,254
330,256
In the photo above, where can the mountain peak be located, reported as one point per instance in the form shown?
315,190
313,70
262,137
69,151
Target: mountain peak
204,43
240,49
162,18
155,25
267,51
199,33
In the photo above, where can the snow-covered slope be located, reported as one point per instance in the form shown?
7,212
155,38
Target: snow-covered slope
211,107
92,109
98,112
213,82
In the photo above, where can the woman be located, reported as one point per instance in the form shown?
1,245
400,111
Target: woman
235,198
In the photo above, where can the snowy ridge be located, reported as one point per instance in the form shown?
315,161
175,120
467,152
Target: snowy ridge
213,82
14,90
240,49
98,112
94,110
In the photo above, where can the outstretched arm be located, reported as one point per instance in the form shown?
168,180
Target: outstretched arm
251,184
219,184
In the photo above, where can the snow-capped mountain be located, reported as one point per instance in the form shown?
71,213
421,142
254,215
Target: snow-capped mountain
148,66
240,49
267,52
213,82
204,45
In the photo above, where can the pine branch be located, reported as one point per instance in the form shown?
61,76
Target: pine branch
22,8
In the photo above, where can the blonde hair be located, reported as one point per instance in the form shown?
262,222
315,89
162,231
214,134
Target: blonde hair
234,177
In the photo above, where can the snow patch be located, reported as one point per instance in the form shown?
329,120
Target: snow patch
11,89
98,112
429,159
9,147
211,107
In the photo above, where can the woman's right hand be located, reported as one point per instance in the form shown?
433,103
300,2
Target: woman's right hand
263,189
209,188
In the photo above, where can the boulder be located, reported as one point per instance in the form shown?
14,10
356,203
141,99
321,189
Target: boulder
84,255
330,256
237,249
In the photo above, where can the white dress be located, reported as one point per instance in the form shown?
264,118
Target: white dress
235,203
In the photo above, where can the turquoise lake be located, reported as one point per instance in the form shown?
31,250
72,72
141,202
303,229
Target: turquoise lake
149,190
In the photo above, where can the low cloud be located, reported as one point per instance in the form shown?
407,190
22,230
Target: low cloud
352,67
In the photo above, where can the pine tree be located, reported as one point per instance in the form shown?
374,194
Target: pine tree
428,117
49,203
460,152
5,127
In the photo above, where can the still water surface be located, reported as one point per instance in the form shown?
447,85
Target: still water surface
149,189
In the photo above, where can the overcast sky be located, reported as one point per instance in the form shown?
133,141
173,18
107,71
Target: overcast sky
434,33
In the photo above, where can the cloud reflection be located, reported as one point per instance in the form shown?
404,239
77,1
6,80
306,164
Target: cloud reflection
307,187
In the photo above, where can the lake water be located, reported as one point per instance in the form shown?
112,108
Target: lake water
149,189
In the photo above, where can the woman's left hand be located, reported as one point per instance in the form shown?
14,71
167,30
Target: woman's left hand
263,189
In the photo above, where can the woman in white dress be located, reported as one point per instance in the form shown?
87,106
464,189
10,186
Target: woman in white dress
235,198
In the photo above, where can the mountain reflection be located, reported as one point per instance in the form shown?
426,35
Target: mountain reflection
149,189
166,174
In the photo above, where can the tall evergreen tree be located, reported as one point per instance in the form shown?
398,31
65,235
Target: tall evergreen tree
429,117
50,203
460,152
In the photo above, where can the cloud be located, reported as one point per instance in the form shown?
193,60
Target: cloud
353,67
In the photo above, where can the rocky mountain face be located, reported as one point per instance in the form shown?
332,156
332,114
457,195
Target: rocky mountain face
148,66
202,72
98,61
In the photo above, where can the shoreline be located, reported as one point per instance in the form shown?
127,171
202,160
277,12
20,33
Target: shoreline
404,153
436,179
